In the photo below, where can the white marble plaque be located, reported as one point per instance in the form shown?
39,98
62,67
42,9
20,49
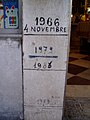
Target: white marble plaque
43,114
44,88
43,94
46,33
46,17
45,53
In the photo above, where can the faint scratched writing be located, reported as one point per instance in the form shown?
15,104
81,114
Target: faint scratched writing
52,101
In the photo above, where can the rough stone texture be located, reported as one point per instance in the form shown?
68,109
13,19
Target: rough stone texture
77,109
10,79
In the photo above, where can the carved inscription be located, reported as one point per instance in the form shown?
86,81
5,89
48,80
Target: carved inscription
45,25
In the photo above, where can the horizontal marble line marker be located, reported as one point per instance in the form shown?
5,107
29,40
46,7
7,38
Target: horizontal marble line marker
38,56
47,34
